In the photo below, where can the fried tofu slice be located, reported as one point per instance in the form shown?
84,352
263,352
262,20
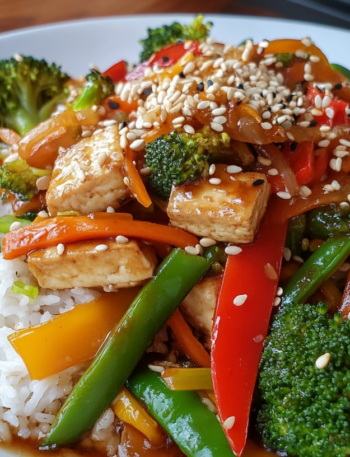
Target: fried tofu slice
82,265
229,211
88,177
199,306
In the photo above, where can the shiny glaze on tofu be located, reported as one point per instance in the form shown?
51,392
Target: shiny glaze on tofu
230,211
88,177
81,265
199,306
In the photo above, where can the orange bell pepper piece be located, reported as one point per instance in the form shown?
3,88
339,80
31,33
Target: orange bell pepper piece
136,184
73,337
187,341
129,410
67,230
123,105
9,136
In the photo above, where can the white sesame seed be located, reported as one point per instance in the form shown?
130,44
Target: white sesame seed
344,142
335,185
307,68
217,127
314,59
264,161
281,119
206,242
328,188
86,134
15,226
272,172
110,209
126,181
258,339
215,181
60,248
138,145
203,105
233,250
229,422
266,115
189,129
43,214
323,361
279,291
156,368
304,191
189,67
298,259
290,136
345,267
176,108
120,239
325,128
284,195
308,77
80,175
212,169
266,125
178,120
191,250
304,124
287,254
101,247
316,112
240,299
326,101
324,143
318,101
163,115
306,42
301,54
233,169
43,182
338,164
219,120
101,158
277,301
344,206
219,111
330,113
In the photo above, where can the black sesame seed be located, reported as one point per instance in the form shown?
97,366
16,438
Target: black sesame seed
147,91
295,117
319,88
93,70
209,83
179,41
165,59
200,87
313,123
261,94
269,108
125,124
274,94
181,74
258,182
240,86
293,145
338,86
113,105
240,101
284,106
290,98
349,115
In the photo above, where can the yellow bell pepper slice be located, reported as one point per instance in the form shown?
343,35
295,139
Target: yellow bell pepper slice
129,410
73,337
188,378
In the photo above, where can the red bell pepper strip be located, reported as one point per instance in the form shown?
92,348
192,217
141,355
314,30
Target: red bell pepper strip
301,160
116,72
321,164
239,331
338,106
170,55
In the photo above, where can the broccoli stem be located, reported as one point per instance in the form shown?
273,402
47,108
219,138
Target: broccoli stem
21,121
87,98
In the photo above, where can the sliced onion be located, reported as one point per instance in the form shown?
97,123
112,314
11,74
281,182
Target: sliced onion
270,151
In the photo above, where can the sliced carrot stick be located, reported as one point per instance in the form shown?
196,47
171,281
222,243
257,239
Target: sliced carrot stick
63,229
187,341
136,184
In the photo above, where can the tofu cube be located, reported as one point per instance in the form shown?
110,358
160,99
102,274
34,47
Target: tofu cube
230,211
199,306
82,265
88,177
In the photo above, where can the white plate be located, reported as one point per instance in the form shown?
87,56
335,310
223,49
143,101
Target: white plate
77,44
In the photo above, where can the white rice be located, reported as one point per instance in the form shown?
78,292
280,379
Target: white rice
28,407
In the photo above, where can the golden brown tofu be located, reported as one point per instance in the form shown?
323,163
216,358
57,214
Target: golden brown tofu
199,306
82,265
88,177
230,211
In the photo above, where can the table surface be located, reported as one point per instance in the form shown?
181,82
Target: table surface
16,14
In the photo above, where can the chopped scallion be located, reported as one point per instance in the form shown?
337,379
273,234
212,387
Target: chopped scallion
20,287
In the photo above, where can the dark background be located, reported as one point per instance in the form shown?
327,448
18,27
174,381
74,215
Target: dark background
16,14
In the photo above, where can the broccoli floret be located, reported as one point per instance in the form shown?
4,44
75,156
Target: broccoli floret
170,34
96,89
285,58
29,91
176,157
306,410
20,179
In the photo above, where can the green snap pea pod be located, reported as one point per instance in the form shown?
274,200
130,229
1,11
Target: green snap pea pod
7,221
325,221
342,70
319,267
126,344
192,426
295,234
